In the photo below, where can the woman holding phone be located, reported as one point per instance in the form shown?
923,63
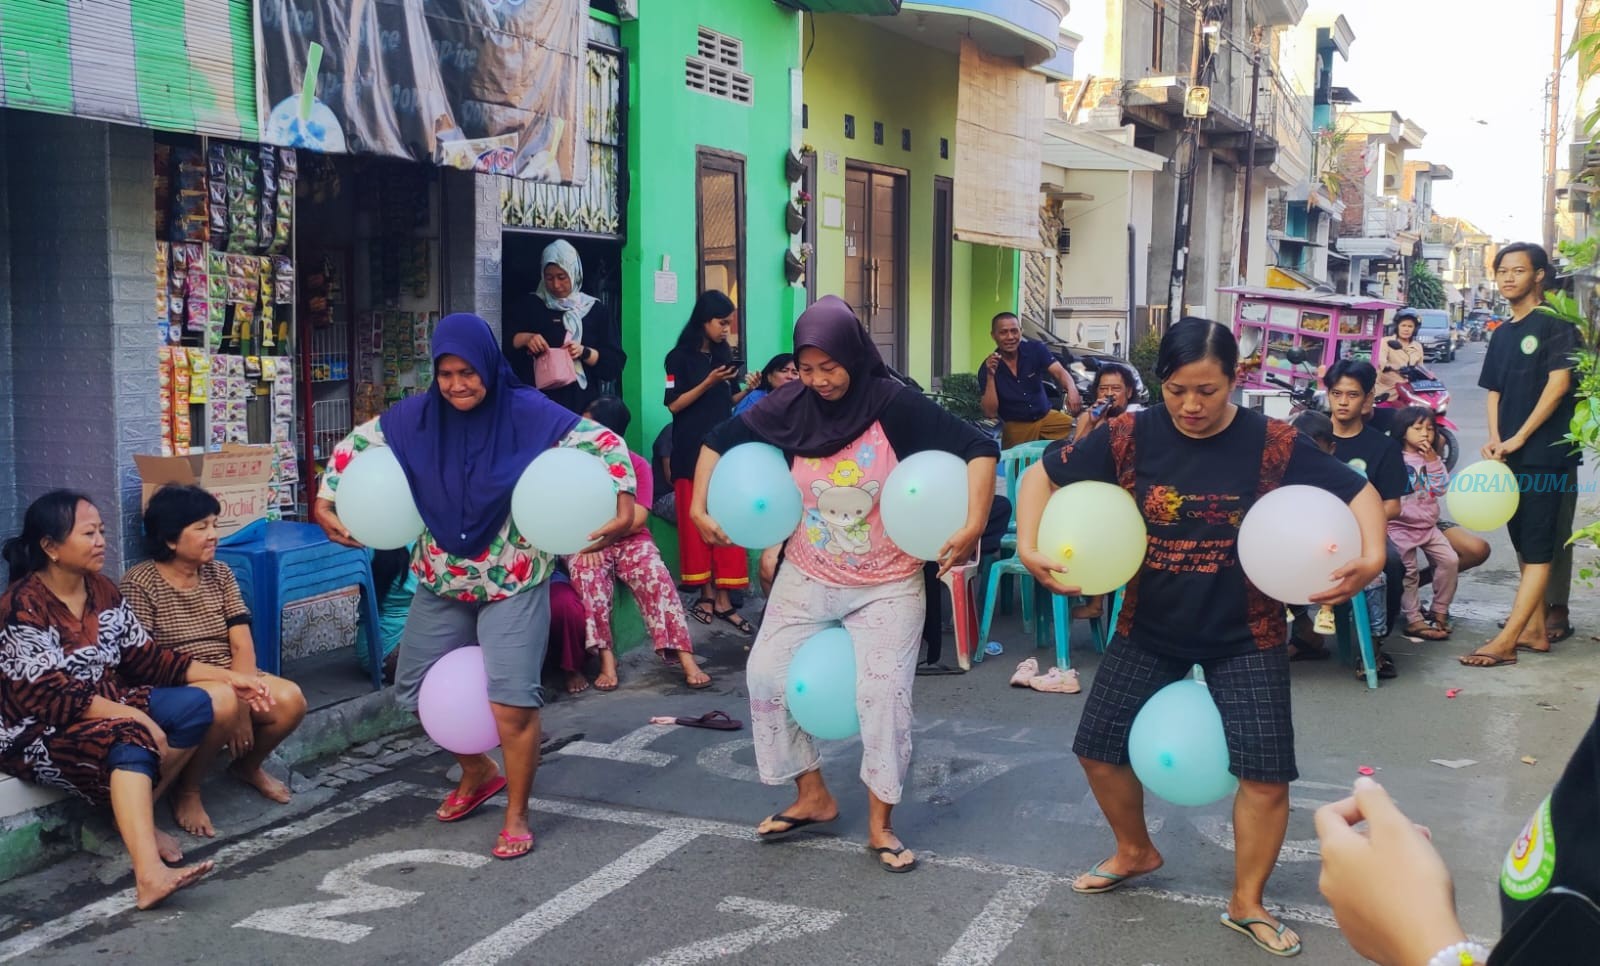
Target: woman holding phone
702,387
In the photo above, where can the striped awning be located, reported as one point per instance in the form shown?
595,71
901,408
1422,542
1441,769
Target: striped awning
172,65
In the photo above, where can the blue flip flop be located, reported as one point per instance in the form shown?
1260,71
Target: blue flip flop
1113,881
1243,926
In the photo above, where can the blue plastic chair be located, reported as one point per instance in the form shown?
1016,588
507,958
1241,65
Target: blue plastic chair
279,563
1356,612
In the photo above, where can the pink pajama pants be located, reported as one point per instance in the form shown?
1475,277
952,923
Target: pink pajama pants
1446,567
885,623
637,563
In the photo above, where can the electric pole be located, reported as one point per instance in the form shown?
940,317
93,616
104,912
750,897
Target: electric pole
1188,145
1552,136
1250,156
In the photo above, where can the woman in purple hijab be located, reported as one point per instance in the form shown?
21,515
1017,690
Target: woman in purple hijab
845,425
463,444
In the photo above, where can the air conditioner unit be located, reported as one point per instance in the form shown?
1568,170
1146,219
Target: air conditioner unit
1064,241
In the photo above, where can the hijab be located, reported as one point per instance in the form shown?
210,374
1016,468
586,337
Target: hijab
462,466
795,419
575,306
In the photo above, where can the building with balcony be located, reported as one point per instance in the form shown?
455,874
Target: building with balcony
1151,54
1380,228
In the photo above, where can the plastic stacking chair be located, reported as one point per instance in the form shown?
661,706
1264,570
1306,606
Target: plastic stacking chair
1356,612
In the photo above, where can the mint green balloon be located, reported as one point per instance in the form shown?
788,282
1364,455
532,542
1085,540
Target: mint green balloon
563,496
753,497
1177,746
924,502
374,501
821,692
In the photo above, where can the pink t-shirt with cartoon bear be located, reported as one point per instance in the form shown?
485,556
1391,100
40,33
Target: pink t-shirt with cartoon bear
840,539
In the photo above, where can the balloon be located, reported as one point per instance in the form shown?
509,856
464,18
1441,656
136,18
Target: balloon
1095,532
454,703
1177,746
374,501
1293,539
753,497
924,502
563,496
821,693
1483,496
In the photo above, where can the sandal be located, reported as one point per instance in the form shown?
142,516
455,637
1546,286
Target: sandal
470,803
1486,660
1057,681
1026,671
501,851
732,617
702,610
1442,621
1418,631
715,720
1113,881
1386,669
884,854
1243,926
1556,637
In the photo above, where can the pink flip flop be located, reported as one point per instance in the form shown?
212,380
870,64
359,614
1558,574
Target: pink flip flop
501,852
469,804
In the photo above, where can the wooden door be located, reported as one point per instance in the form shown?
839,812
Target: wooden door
874,256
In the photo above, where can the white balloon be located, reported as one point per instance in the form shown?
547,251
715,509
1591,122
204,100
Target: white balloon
563,496
374,501
924,502
1293,539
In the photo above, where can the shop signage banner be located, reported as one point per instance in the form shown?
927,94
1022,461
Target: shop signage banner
171,65
495,86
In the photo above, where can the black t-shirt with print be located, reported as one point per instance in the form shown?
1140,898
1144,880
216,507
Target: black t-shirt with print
1520,358
685,370
1560,845
1377,457
1194,493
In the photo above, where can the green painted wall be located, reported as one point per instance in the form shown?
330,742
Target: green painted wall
878,75
667,122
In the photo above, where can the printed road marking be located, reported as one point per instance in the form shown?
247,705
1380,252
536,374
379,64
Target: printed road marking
629,748
315,920
935,772
241,851
781,922
987,936
1087,812
517,935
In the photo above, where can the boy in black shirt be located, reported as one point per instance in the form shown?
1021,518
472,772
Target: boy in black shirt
1528,372
1376,456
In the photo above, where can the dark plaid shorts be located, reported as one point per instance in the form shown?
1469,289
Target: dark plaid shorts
1251,691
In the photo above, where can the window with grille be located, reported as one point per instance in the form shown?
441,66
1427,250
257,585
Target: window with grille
716,68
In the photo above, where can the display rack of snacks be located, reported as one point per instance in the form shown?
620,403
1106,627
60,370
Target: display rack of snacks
224,299
327,332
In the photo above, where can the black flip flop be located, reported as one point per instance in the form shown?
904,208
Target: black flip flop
734,619
715,720
1560,635
884,850
794,825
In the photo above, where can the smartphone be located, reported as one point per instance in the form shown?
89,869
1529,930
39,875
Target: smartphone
739,365
1560,927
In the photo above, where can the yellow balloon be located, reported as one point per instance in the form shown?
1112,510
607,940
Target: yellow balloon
1095,532
1483,496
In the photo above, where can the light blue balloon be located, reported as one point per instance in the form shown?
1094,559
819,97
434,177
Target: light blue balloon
374,501
924,502
563,496
1177,746
821,693
753,497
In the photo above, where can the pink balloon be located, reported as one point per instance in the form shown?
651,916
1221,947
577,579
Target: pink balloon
454,703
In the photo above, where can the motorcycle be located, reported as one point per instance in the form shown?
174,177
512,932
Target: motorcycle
1422,388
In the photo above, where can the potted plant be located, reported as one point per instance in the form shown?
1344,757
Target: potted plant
793,166
794,217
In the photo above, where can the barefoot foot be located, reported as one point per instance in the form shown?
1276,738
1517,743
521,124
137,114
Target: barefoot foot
576,682
259,779
168,848
190,814
692,675
606,680
151,892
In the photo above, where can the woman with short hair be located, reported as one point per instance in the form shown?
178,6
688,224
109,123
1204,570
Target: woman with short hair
190,603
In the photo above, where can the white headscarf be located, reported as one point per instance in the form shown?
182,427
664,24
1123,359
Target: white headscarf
576,305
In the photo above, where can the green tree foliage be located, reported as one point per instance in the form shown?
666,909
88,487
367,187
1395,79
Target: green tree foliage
1425,290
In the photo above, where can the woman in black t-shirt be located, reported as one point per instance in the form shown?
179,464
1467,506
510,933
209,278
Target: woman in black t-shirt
560,317
701,384
1195,465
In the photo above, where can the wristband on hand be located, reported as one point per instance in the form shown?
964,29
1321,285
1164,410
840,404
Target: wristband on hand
1461,954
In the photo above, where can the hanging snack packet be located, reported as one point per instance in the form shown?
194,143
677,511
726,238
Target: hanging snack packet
283,279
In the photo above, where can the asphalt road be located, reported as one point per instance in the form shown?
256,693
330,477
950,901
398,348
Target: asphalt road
646,854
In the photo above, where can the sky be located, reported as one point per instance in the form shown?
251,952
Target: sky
1449,66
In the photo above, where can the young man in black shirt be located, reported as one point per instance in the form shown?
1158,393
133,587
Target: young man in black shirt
1375,456
1528,372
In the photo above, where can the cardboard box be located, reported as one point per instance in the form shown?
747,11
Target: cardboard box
240,477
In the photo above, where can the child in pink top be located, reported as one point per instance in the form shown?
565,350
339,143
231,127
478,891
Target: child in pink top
1417,526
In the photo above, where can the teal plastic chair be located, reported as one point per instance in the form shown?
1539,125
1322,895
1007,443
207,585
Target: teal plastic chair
1356,612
